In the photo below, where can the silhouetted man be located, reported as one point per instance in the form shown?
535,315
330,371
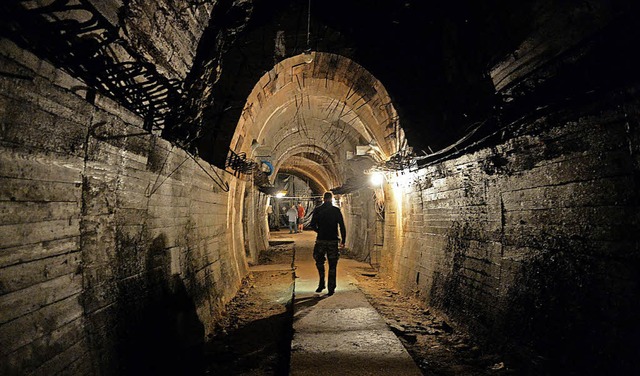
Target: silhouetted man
325,220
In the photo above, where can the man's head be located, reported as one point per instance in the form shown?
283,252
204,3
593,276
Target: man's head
328,196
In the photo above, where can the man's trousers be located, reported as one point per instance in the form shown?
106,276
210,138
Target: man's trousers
328,249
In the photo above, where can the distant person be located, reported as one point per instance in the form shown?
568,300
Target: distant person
292,215
325,220
300,217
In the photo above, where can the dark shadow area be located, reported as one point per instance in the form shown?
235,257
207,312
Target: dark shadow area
565,309
262,345
253,337
567,312
279,252
305,303
158,330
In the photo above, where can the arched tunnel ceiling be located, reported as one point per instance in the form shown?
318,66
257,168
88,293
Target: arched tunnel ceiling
311,162
438,61
312,173
310,111
434,58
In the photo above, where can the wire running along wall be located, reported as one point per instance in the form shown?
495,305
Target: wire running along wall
77,38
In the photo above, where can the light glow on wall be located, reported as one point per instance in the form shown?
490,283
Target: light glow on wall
403,180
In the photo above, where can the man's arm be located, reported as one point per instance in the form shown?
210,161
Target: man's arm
314,223
343,229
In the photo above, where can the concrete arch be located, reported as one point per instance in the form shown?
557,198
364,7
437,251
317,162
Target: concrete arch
309,117
315,153
316,163
331,101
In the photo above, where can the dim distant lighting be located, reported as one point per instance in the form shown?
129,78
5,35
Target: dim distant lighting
281,194
377,179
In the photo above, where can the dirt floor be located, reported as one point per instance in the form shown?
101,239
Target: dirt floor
436,347
255,334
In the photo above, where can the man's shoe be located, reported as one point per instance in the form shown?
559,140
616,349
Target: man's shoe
330,293
320,288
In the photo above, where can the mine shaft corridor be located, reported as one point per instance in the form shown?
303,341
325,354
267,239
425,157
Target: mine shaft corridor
484,155
340,333
279,325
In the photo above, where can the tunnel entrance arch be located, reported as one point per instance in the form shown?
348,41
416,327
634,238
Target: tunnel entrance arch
311,117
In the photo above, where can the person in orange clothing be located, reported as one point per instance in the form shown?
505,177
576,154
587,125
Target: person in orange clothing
300,217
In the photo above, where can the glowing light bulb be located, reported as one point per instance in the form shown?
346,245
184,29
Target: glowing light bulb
377,179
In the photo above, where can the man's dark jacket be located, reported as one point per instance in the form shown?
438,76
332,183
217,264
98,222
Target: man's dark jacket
325,221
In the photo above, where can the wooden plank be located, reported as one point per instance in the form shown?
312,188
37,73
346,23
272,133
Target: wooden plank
25,301
27,328
19,234
24,124
13,212
39,191
49,98
31,252
41,167
23,275
67,361
48,349
607,191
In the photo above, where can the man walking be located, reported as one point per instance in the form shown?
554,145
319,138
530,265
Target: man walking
325,220
292,216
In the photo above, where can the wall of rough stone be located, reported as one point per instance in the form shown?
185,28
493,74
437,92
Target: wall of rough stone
361,221
116,246
164,32
256,224
533,243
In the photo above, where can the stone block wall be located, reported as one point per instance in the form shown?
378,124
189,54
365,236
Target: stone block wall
533,243
361,220
117,248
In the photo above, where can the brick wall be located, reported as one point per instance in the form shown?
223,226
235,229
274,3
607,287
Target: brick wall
532,243
117,248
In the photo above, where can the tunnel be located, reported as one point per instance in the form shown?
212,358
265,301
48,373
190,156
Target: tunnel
151,148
